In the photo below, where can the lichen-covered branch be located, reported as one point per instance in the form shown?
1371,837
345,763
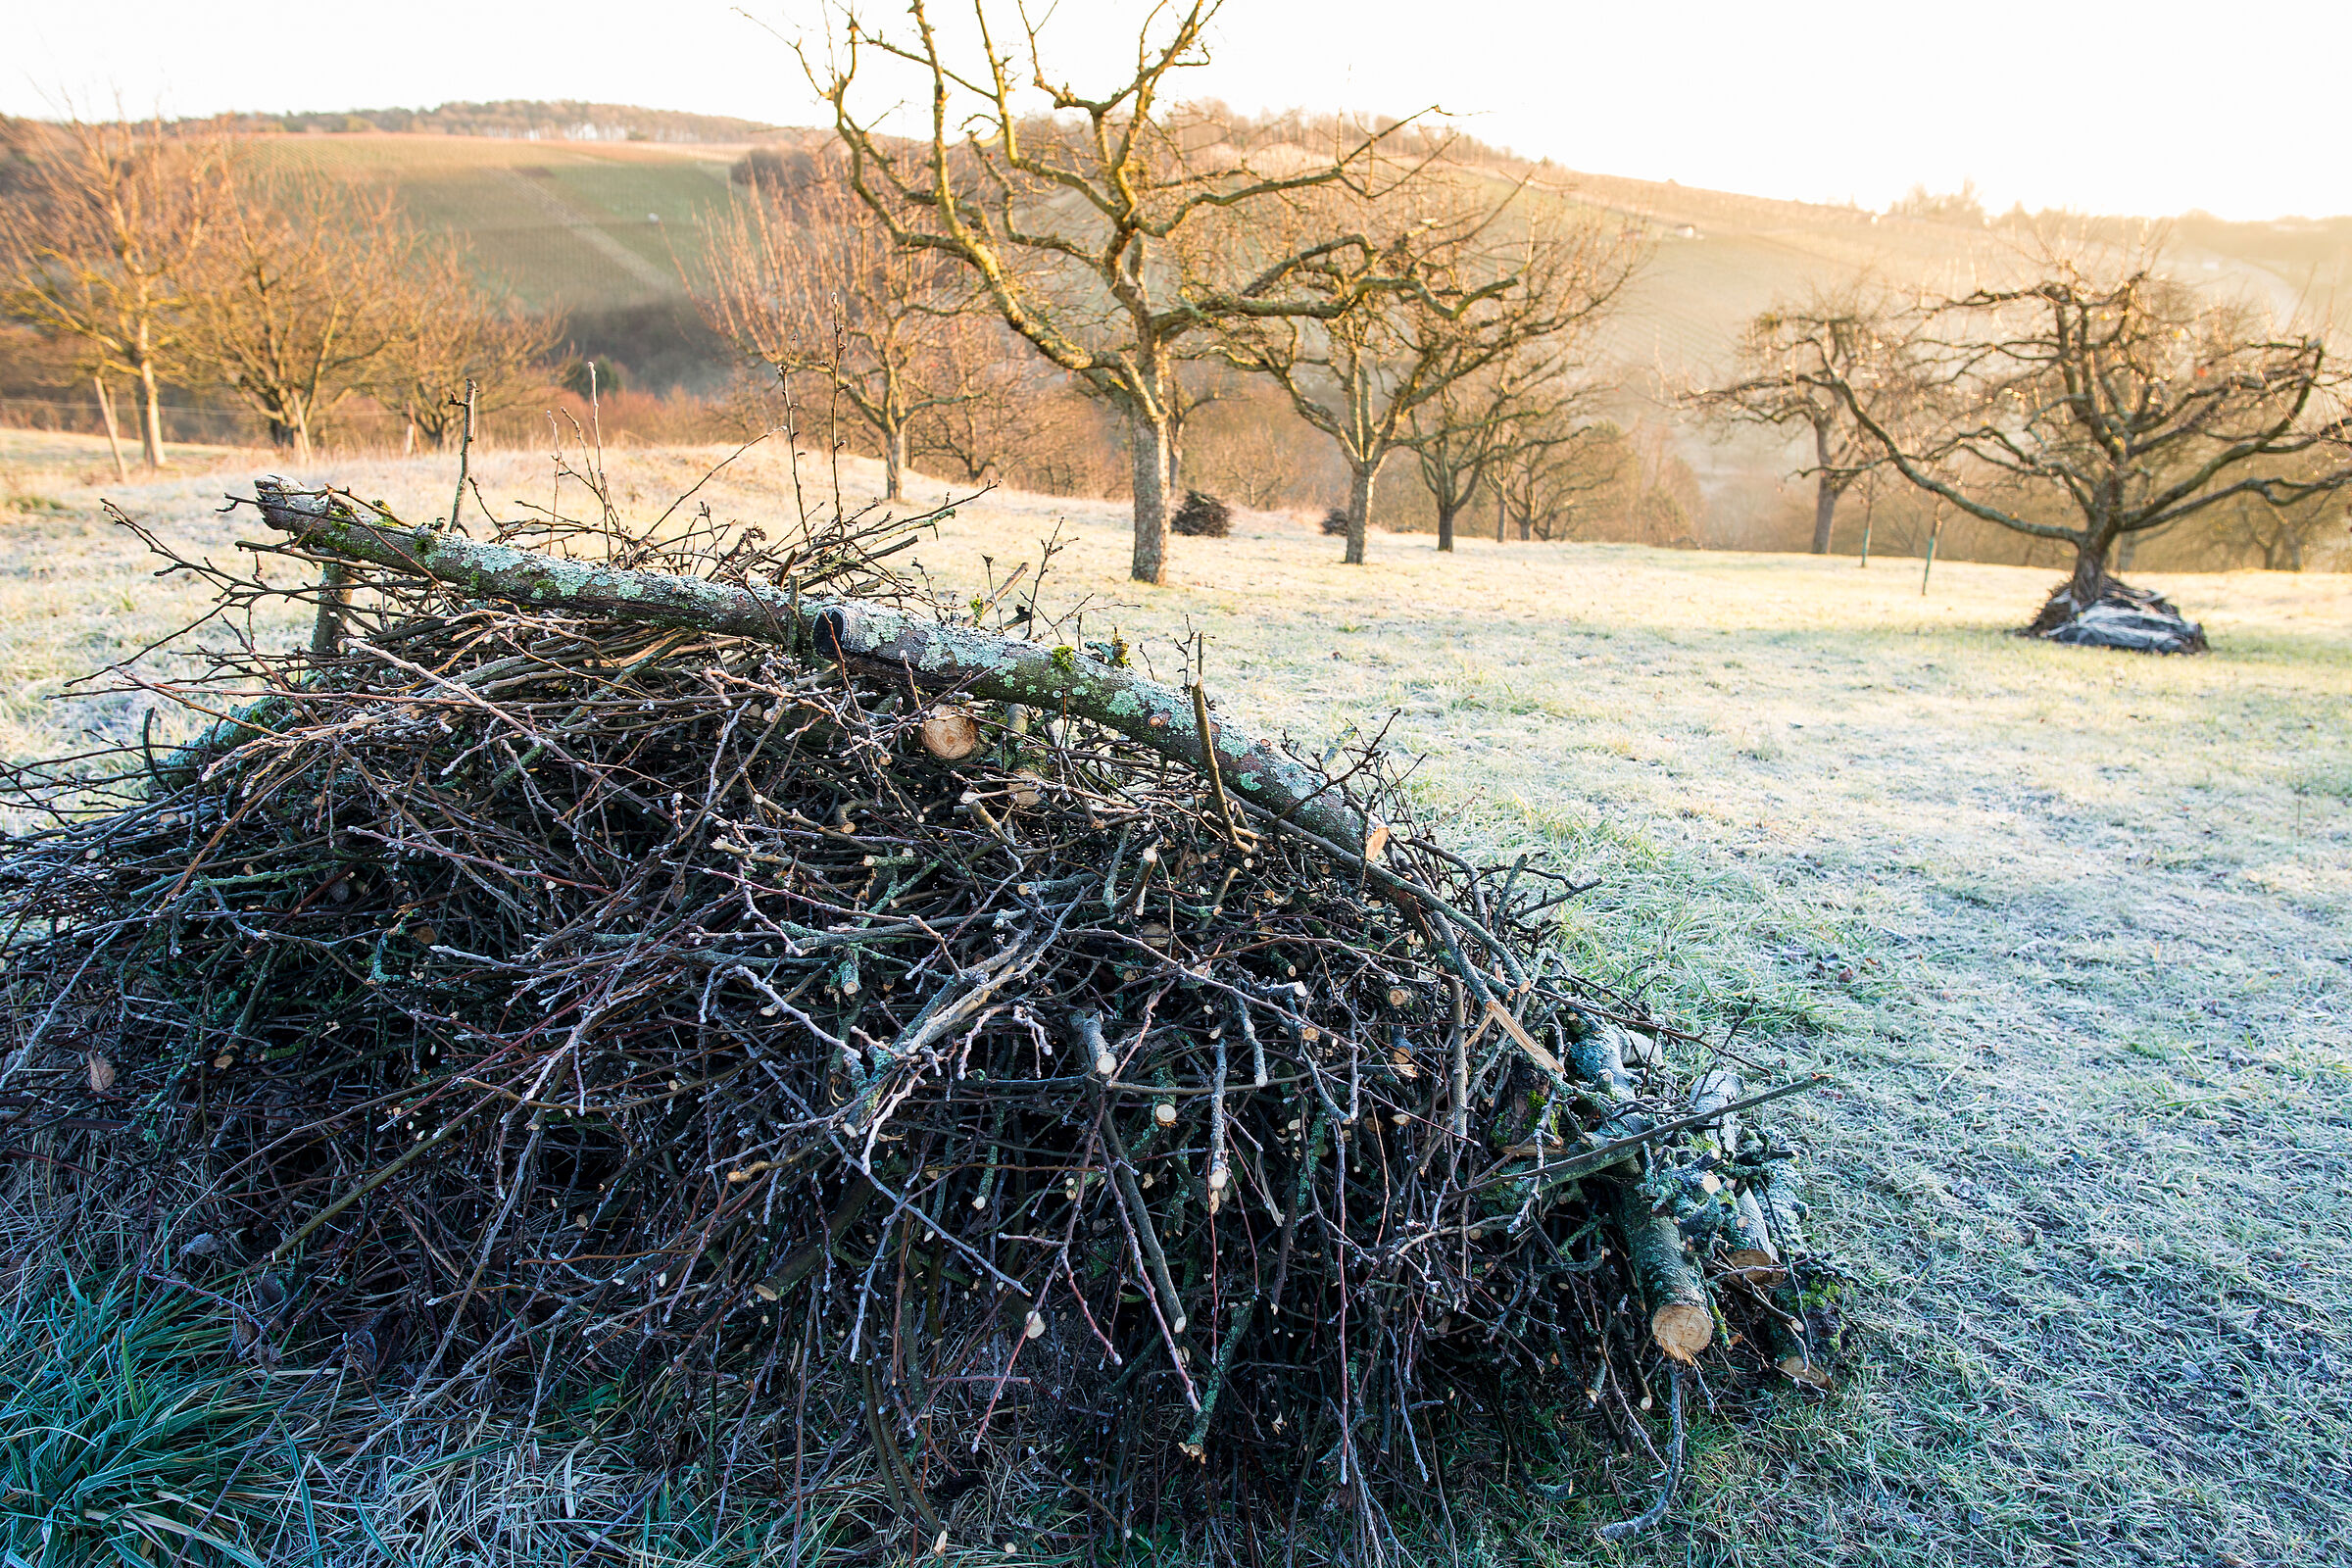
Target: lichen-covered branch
940,657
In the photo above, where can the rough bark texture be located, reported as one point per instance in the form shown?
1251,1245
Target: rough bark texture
1827,487
1150,498
1825,515
894,463
1679,1318
940,656
151,417
1359,509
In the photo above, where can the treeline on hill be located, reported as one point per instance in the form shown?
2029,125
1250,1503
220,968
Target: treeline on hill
525,119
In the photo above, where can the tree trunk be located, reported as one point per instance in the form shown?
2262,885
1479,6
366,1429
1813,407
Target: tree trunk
943,658
1825,512
2083,586
1826,489
1150,442
151,417
2090,579
1359,509
894,463
114,433
1445,525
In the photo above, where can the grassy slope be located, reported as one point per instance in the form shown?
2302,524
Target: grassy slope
1718,258
2092,1128
520,204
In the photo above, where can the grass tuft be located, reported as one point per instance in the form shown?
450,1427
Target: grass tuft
129,1436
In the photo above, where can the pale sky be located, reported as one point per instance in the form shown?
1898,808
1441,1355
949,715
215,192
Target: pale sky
2148,108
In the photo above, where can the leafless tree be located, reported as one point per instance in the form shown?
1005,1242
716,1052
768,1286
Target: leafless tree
1789,359
1477,425
805,279
454,331
1252,448
1000,395
99,232
2278,536
2097,403
1479,284
1559,471
1072,222
303,297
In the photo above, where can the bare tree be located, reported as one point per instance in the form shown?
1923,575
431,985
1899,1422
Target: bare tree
1000,393
1557,471
1789,355
302,299
454,331
2279,536
1252,448
1471,294
1464,437
804,278
1071,221
2096,405
99,231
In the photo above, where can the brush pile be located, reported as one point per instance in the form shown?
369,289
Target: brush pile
848,1063
1201,517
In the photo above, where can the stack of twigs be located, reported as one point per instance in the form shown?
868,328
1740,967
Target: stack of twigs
539,983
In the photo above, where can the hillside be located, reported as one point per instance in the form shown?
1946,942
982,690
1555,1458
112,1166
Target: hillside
607,230
600,228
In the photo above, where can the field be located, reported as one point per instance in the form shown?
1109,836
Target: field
584,225
2069,931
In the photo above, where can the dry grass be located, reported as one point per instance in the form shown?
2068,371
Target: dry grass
2069,928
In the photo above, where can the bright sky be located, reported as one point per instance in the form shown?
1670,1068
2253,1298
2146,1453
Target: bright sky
2109,107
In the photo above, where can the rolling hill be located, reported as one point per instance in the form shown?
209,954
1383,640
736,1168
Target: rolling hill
601,229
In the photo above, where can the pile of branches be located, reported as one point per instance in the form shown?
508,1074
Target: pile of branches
1067,1106
1202,517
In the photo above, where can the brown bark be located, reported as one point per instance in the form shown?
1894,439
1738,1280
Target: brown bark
1151,495
151,415
894,463
1679,1320
1826,490
1359,509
